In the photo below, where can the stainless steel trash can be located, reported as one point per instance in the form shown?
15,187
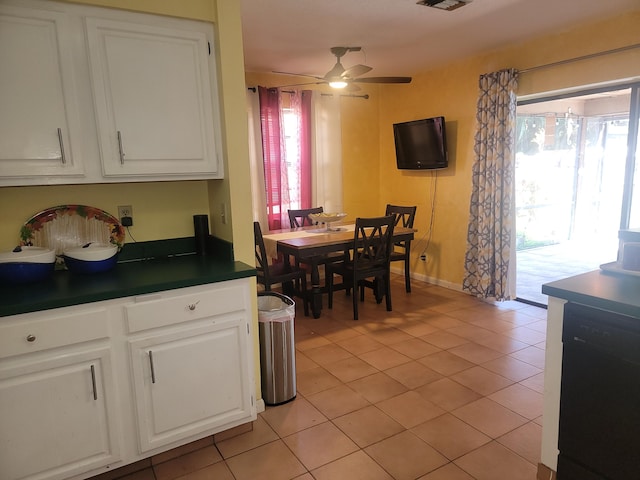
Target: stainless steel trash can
276,314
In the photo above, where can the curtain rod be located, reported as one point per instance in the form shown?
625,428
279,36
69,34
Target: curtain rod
365,96
584,57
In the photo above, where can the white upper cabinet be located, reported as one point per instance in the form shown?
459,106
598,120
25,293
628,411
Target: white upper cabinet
95,95
152,91
39,115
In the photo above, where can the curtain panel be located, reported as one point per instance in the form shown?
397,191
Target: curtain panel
488,262
326,172
258,188
317,171
273,152
301,104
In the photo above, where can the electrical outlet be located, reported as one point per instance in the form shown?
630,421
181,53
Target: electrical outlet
423,257
125,211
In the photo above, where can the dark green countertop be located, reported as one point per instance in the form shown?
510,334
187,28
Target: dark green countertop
609,291
126,279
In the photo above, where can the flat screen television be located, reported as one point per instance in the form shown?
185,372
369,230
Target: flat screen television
421,144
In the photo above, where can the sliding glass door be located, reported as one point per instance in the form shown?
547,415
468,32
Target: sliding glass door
574,185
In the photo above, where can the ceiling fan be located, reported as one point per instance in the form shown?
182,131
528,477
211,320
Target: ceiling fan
340,77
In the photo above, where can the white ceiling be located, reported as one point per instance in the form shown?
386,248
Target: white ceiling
399,37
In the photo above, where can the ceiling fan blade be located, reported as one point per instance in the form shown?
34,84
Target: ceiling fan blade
382,80
335,73
356,71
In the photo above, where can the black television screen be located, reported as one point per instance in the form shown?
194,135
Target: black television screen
421,144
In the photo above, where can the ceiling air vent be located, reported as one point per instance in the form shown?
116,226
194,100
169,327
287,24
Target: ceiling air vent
444,4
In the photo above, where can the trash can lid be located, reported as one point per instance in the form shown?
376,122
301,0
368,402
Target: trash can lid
273,300
275,307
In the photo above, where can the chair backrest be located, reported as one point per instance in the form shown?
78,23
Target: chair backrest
262,262
300,218
404,215
373,241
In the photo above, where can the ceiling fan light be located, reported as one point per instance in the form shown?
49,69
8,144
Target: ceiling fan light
338,84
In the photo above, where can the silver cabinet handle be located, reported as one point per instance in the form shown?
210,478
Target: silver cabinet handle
120,150
192,306
63,159
93,382
31,338
153,371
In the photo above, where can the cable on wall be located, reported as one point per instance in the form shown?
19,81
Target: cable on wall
429,232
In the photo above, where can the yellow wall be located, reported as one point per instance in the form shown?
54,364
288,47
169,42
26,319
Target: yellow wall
160,210
371,179
452,91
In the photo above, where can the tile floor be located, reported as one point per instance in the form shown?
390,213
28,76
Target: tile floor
445,387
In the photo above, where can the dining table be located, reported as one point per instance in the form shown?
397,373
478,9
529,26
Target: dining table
309,245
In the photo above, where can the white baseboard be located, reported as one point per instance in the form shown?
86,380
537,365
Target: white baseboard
430,280
260,406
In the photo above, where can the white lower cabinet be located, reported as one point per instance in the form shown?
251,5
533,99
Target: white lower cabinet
205,361
57,403
56,417
91,388
189,360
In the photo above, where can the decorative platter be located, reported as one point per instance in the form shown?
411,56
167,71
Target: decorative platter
326,217
66,226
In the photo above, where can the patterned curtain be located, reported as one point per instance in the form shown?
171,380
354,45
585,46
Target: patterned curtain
489,234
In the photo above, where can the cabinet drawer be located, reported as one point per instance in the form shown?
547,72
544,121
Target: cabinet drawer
166,308
55,330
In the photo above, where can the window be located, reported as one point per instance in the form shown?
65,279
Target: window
574,182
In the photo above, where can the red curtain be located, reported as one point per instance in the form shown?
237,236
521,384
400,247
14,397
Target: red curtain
278,176
273,154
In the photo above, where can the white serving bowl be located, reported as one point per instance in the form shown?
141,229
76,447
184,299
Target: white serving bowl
29,255
26,264
91,258
92,252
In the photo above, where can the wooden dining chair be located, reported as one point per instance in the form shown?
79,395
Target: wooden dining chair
402,250
369,259
282,273
300,218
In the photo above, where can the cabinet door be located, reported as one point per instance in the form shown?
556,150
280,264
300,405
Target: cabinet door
192,381
152,91
57,417
39,113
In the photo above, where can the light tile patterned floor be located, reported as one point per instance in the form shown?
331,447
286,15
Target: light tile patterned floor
445,387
